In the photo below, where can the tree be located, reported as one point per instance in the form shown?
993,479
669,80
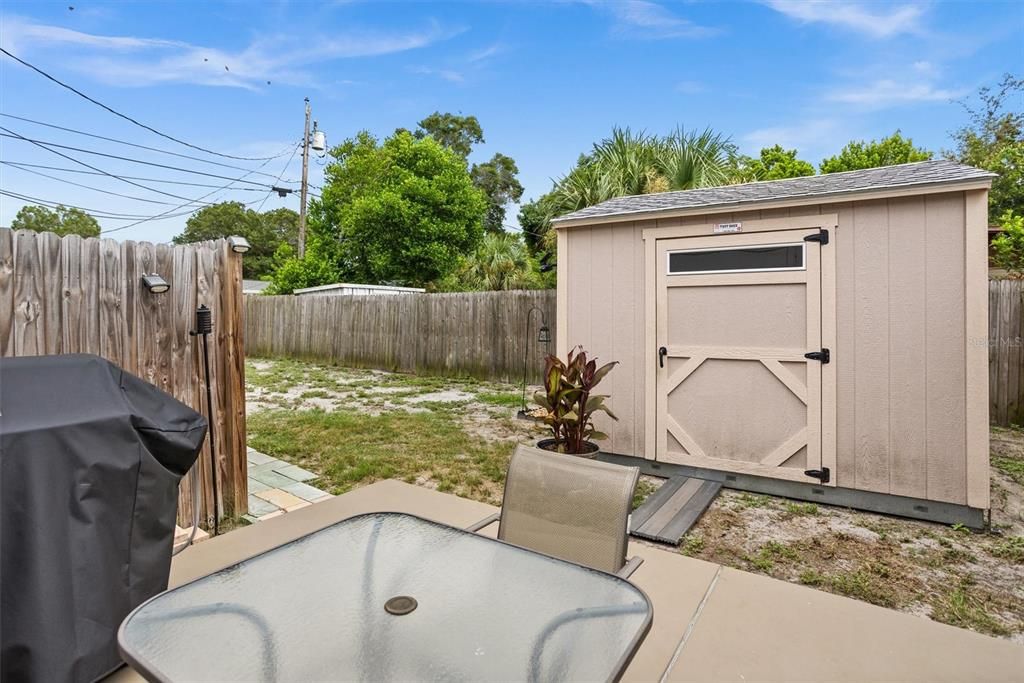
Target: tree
403,212
454,132
265,232
775,163
1008,246
63,220
628,163
889,151
994,140
535,222
500,262
497,179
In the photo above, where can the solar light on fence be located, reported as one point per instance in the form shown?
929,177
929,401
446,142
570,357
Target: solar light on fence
155,284
239,245
544,335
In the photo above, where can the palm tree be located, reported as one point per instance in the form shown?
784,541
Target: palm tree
693,160
501,261
629,163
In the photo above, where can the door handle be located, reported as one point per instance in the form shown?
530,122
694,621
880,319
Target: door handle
662,352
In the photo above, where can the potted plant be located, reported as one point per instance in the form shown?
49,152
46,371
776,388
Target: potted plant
570,402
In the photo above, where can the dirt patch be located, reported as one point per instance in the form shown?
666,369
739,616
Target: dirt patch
485,410
968,579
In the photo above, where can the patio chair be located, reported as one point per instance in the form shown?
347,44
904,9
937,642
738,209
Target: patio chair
568,507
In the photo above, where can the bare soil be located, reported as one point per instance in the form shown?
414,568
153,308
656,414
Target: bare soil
954,575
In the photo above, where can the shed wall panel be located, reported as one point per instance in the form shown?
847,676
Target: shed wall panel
907,339
870,345
945,349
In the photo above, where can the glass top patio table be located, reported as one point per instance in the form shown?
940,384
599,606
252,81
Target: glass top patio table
335,605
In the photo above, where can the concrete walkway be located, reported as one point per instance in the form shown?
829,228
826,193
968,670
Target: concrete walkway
277,487
711,623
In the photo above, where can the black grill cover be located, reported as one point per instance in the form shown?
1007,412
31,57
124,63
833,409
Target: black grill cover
90,460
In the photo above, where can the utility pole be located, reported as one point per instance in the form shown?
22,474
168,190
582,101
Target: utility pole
305,175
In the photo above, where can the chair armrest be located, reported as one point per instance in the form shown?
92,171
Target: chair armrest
629,567
486,521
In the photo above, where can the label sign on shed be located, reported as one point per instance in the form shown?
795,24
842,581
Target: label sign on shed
729,227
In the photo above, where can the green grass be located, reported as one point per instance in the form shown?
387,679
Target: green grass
501,398
1011,549
964,606
349,449
811,577
1011,467
801,509
644,489
692,545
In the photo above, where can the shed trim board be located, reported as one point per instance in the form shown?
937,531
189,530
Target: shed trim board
976,323
772,204
903,402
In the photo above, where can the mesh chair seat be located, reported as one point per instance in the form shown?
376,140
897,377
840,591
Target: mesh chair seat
568,507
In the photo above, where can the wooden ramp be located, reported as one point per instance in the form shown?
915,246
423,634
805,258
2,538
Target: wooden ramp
671,510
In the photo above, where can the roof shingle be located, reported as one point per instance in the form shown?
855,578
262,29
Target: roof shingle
939,171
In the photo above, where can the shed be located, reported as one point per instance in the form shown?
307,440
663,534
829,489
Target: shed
821,338
350,289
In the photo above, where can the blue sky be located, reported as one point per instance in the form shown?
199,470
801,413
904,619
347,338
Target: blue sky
545,79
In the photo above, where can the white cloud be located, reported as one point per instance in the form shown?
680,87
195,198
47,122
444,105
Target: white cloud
870,19
486,53
450,75
649,20
889,93
139,61
810,138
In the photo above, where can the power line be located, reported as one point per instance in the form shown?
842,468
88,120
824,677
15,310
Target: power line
145,147
100,213
94,168
279,176
47,145
64,169
89,187
161,216
125,116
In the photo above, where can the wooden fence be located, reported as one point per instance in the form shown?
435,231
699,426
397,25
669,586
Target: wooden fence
1006,352
479,334
75,295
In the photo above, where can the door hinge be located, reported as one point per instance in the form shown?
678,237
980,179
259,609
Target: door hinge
822,474
821,237
824,356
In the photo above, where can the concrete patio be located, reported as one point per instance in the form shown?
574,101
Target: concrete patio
710,623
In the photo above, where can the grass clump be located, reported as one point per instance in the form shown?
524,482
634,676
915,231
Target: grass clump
351,449
1011,467
967,607
502,398
644,488
1011,549
801,509
692,546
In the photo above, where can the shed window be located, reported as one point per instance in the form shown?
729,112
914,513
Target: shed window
737,259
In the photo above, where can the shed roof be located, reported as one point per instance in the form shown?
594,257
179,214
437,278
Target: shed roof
921,173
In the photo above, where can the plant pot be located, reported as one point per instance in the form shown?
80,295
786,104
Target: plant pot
590,448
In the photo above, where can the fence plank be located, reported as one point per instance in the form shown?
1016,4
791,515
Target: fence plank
1006,352
6,292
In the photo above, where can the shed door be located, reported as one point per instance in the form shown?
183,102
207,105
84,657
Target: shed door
736,315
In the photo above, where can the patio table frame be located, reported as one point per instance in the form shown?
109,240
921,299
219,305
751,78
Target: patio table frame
140,664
